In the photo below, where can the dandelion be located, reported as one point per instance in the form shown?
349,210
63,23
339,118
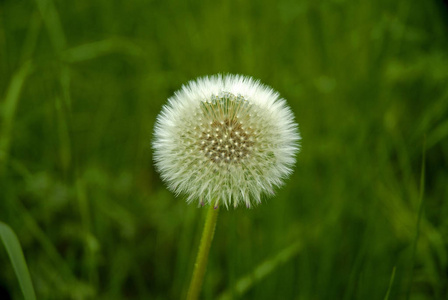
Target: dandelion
225,140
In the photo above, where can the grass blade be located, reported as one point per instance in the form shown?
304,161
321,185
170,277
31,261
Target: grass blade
263,270
391,282
9,108
419,218
15,253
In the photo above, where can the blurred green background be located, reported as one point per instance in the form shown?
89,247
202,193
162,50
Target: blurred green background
81,83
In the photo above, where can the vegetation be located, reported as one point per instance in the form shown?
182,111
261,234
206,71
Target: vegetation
364,216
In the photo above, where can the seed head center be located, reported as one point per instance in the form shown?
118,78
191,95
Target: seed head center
227,141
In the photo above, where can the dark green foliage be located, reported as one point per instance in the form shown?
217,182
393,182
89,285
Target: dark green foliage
82,82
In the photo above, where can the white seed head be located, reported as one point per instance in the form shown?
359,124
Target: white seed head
225,139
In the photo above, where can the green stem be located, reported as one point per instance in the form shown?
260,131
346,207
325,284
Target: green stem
204,248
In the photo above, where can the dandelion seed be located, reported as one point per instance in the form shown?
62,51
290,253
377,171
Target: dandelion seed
252,148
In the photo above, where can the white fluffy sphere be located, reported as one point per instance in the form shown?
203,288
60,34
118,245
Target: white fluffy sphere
225,140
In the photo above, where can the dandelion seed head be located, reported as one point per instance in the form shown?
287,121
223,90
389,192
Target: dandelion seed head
225,139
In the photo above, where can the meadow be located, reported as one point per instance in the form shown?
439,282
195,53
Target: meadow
363,216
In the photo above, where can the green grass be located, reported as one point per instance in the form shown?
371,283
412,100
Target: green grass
12,245
81,84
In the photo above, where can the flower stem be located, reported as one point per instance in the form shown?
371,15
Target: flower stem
204,248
